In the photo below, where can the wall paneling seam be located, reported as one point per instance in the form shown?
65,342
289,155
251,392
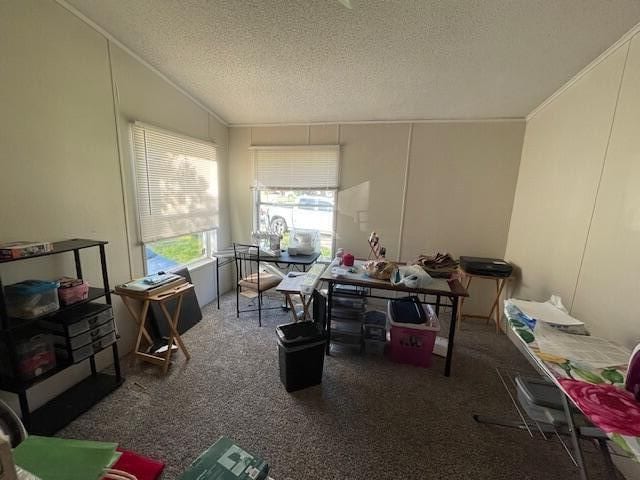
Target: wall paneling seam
115,97
405,187
604,162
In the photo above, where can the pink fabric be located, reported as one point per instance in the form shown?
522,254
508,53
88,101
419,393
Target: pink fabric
611,408
143,468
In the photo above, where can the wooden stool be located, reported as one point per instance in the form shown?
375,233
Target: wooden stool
141,316
495,306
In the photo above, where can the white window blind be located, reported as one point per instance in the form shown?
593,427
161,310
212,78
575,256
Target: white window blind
176,183
311,166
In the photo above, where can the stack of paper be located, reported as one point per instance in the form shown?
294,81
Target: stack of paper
583,350
545,312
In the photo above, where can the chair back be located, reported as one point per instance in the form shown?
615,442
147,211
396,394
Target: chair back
247,259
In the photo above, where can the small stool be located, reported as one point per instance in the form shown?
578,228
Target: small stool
495,306
141,316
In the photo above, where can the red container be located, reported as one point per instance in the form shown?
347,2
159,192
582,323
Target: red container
36,356
348,259
413,343
72,290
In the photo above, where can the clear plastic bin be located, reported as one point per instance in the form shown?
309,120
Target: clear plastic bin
31,298
36,356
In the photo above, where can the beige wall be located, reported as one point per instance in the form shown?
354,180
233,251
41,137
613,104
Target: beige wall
576,217
575,227
460,185
608,284
562,159
61,172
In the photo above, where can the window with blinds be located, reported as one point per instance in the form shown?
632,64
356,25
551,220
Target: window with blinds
176,183
295,188
305,167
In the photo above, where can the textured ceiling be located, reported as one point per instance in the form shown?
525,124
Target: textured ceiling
280,61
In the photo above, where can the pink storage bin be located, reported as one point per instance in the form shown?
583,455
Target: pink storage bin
72,290
413,343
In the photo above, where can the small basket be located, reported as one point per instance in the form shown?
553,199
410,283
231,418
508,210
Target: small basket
72,290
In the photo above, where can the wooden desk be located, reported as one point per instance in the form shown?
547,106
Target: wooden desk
466,279
140,317
451,289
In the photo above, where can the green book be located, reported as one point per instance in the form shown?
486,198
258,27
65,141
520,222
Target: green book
225,460
61,459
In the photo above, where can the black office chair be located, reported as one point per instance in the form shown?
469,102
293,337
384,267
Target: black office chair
251,277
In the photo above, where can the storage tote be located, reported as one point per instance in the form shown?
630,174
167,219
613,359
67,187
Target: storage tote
412,343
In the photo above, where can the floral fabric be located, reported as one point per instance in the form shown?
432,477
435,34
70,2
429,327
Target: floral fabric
598,393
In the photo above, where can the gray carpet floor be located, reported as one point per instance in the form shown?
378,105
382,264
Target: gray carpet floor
370,418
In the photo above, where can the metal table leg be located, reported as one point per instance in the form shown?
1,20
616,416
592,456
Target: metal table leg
218,281
452,333
329,304
577,451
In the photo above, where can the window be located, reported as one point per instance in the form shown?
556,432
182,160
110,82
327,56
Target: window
176,181
296,188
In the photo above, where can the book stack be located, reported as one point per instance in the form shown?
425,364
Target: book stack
151,285
23,249
225,460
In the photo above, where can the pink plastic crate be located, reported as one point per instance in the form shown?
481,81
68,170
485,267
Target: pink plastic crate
72,290
411,343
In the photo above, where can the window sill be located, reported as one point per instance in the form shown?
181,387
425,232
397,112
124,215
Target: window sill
201,263
197,265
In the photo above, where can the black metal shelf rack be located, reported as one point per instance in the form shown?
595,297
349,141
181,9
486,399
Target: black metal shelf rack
71,403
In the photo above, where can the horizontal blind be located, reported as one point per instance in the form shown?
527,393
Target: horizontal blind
176,183
312,167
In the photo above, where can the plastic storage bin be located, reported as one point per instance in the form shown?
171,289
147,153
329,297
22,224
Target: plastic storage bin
374,347
541,400
375,325
36,356
80,319
413,343
301,349
85,352
72,290
85,338
31,298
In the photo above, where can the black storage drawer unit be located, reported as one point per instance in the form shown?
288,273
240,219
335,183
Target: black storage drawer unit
86,330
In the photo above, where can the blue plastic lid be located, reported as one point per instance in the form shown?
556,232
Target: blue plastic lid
31,287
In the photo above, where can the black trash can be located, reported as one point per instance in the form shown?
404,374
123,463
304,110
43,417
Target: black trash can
301,349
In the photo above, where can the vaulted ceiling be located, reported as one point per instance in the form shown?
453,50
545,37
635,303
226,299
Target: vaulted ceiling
281,61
